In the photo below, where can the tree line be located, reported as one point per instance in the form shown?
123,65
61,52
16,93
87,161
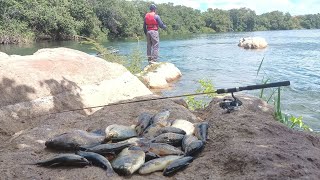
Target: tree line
29,20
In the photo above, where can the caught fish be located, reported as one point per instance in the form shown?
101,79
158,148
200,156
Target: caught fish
185,125
161,118
149,155
152,130
188,139
144,120
170,129
157,164
191,145
73,140
163,149
64,160
128,161
169,138
177,165
97,160
105,149
201,131
120,132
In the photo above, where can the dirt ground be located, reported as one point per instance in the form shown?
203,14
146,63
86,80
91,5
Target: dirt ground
245,144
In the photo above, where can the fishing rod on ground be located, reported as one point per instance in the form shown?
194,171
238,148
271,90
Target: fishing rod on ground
228,104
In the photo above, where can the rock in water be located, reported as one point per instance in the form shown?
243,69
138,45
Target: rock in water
119,132
128,161
74,140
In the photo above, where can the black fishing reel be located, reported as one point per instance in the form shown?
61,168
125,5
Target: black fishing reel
230,104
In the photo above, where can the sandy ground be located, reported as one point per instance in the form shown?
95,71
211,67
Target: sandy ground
245,144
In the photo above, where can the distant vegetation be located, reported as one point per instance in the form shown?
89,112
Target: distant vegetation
28,20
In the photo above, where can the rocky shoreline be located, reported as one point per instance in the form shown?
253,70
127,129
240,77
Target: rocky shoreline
244,144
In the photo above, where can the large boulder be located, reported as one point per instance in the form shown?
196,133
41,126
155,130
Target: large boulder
253,43
159,75
61,79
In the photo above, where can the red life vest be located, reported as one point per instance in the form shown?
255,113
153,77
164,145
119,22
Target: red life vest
151,22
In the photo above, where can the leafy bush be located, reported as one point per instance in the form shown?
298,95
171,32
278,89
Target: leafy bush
206,86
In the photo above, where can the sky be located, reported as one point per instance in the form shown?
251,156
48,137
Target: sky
294,7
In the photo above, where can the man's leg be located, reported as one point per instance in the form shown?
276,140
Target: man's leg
149,44
155,45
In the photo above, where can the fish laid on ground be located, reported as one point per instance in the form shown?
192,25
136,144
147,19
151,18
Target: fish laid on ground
128,161
169,138
162,118
157,164
152,130
177,165
163,149
170,129
119,132
188,139
73,140
201,131
192,145
97,160
185,125
64,160
149,155
144,120
111,148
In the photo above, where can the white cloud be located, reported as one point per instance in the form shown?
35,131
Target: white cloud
294,7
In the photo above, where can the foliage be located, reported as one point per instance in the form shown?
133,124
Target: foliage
67,19
291,122
135,61
206,86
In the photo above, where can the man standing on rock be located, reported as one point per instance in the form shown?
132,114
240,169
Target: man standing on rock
151,24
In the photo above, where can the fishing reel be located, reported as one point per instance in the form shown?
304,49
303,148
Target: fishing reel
230,104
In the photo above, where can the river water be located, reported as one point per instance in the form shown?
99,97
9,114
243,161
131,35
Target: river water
291,55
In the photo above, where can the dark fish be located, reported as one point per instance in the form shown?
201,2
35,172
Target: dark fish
201,131
177,165
97,160
64,160
163,149
170,129
162,118
194,148
188,139
149,155
157,164
169,138
73,140
128,161
152,130
119,132
144,120
105,149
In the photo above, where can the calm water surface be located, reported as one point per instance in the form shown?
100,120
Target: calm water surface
291,55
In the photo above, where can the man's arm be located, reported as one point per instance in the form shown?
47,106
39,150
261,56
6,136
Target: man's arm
145,27
161,25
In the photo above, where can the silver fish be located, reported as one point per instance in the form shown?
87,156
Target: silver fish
152,130
177,165
64,160
163,149
185,125
157,164
201,131
162,118
97,160
170,129
128,161
120,132
144,120
188,139
169,138
105,149
73,140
